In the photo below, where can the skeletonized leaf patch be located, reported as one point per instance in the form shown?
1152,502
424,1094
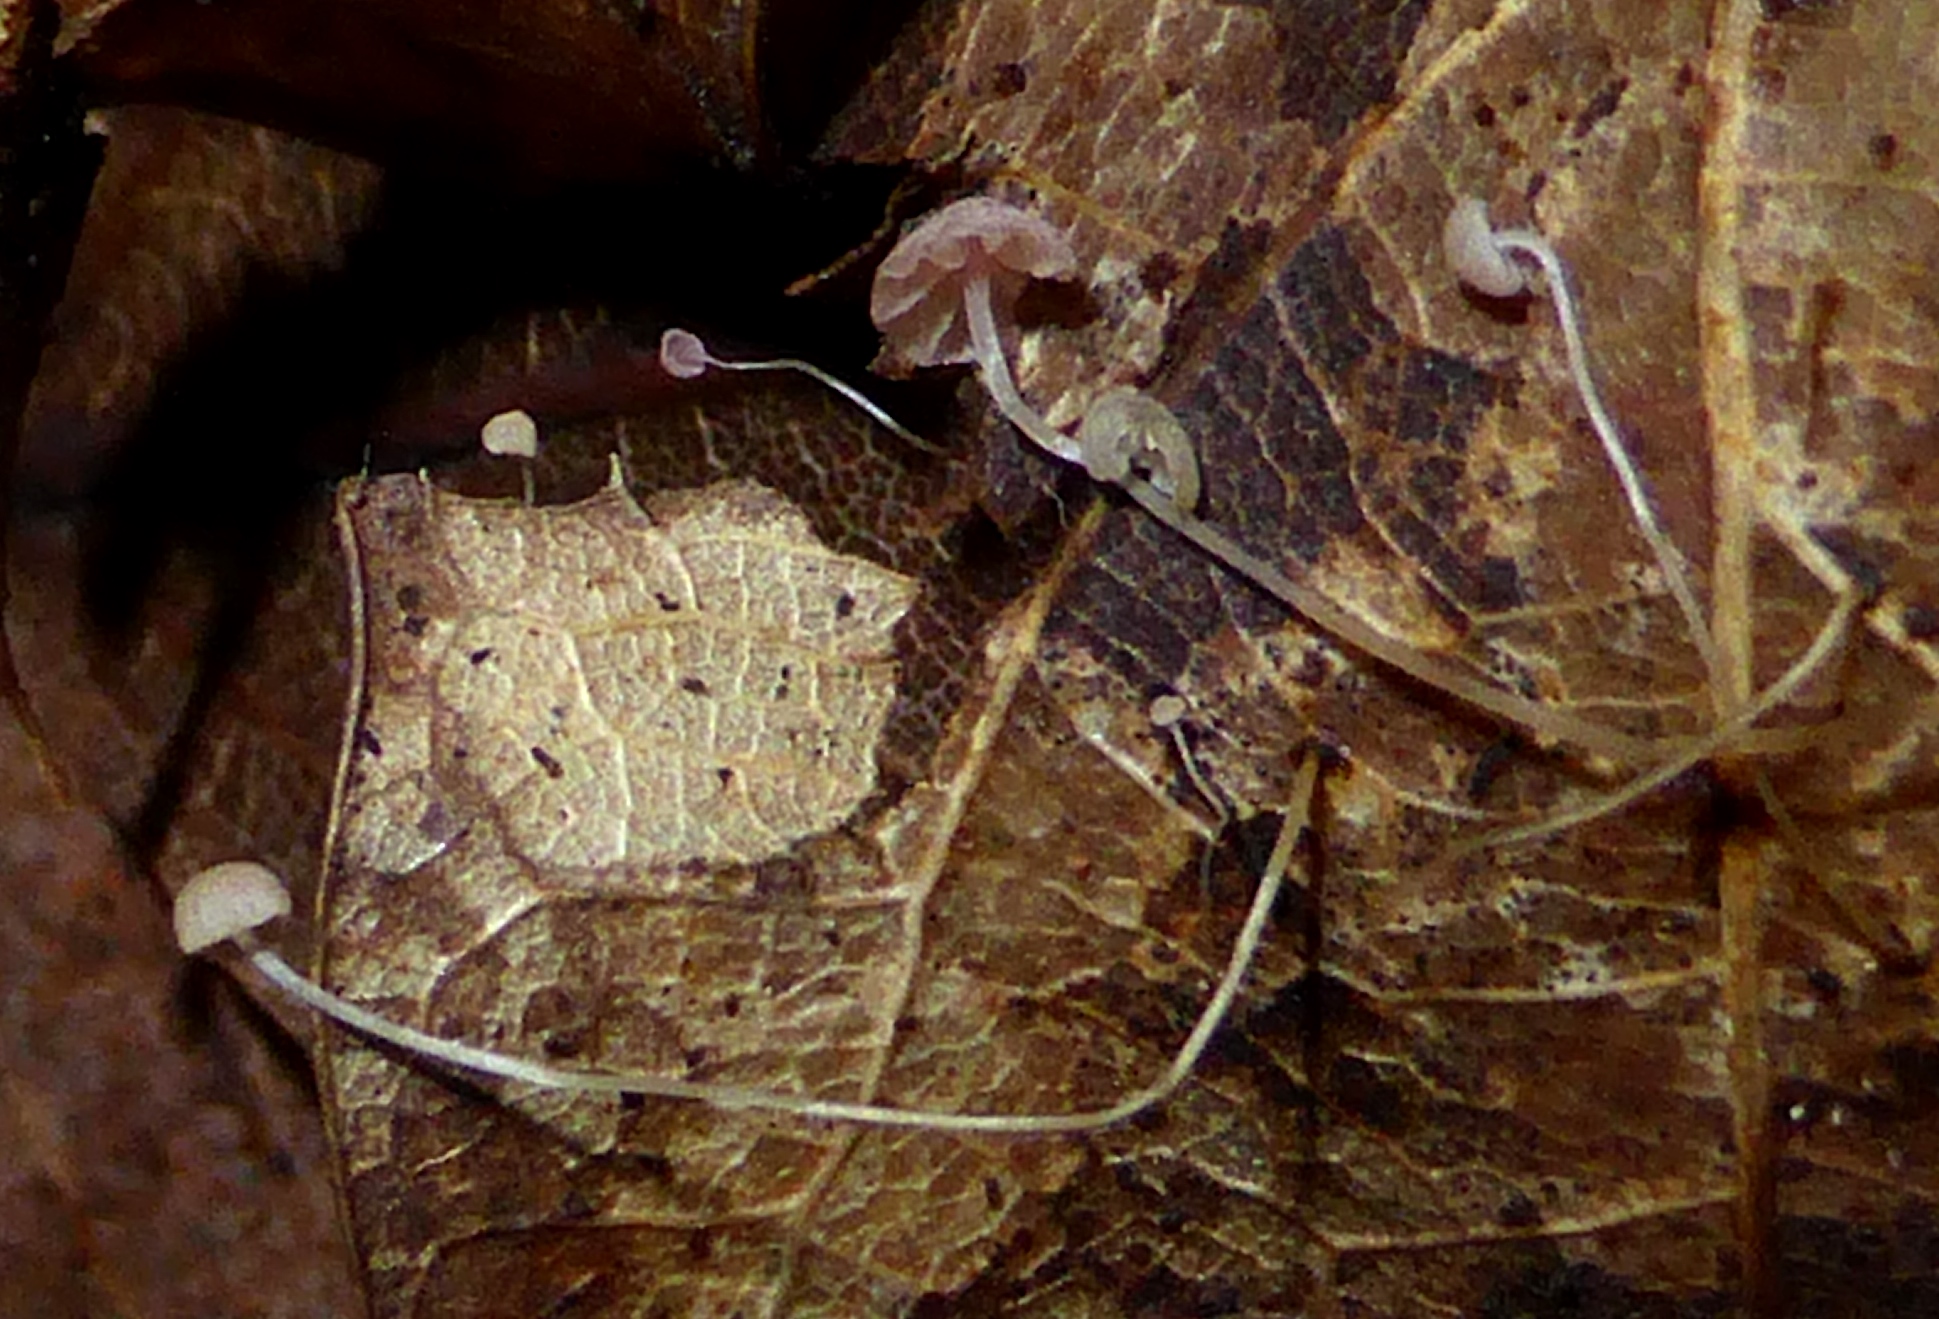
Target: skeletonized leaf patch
698,681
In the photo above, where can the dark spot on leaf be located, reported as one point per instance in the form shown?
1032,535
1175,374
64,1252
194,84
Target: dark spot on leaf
410,598
367,741
1496,757
1884,151
1519,1211
667,602
1009,79
1159,272
436,822
565,1043
1231,267
552,768
415,624
725,775
480,656
1809,13
695,687
1921,622
844,605
1600,107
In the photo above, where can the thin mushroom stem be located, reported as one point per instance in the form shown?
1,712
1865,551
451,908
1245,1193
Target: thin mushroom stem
1544,720
692,350
1831,635
1315,607
1528,243
988,348
741,1098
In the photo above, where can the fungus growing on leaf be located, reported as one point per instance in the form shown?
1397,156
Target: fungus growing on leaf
1478,260
513,435
227,903
1483,258
938,295
685,357
936,299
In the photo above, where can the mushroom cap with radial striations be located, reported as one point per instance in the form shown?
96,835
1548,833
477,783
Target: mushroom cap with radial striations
226,900
1468,240
917,299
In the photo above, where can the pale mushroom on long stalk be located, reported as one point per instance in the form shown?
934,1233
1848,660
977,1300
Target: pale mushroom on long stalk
1482,256
937,294
685,356
227,903
936,299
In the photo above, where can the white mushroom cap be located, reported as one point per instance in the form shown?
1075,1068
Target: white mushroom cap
917,298
513,434
226,900
1477,259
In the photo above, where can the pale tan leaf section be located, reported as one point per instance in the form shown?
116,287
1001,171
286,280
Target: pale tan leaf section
707,685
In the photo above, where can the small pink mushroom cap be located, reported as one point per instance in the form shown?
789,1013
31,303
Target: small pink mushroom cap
917,300
682,355
226,900
1477,260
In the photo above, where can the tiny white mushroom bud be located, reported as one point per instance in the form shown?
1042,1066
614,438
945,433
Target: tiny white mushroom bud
227,900
1167,711
511,434
1476,255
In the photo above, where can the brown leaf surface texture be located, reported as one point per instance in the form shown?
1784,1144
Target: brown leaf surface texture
1677,1060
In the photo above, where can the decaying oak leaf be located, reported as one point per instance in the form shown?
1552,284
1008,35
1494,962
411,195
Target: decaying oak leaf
704,682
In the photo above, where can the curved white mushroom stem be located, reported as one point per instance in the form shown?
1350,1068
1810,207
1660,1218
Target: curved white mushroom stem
746,1099
988,350
1463,236
1830,638
1544,720
684,355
